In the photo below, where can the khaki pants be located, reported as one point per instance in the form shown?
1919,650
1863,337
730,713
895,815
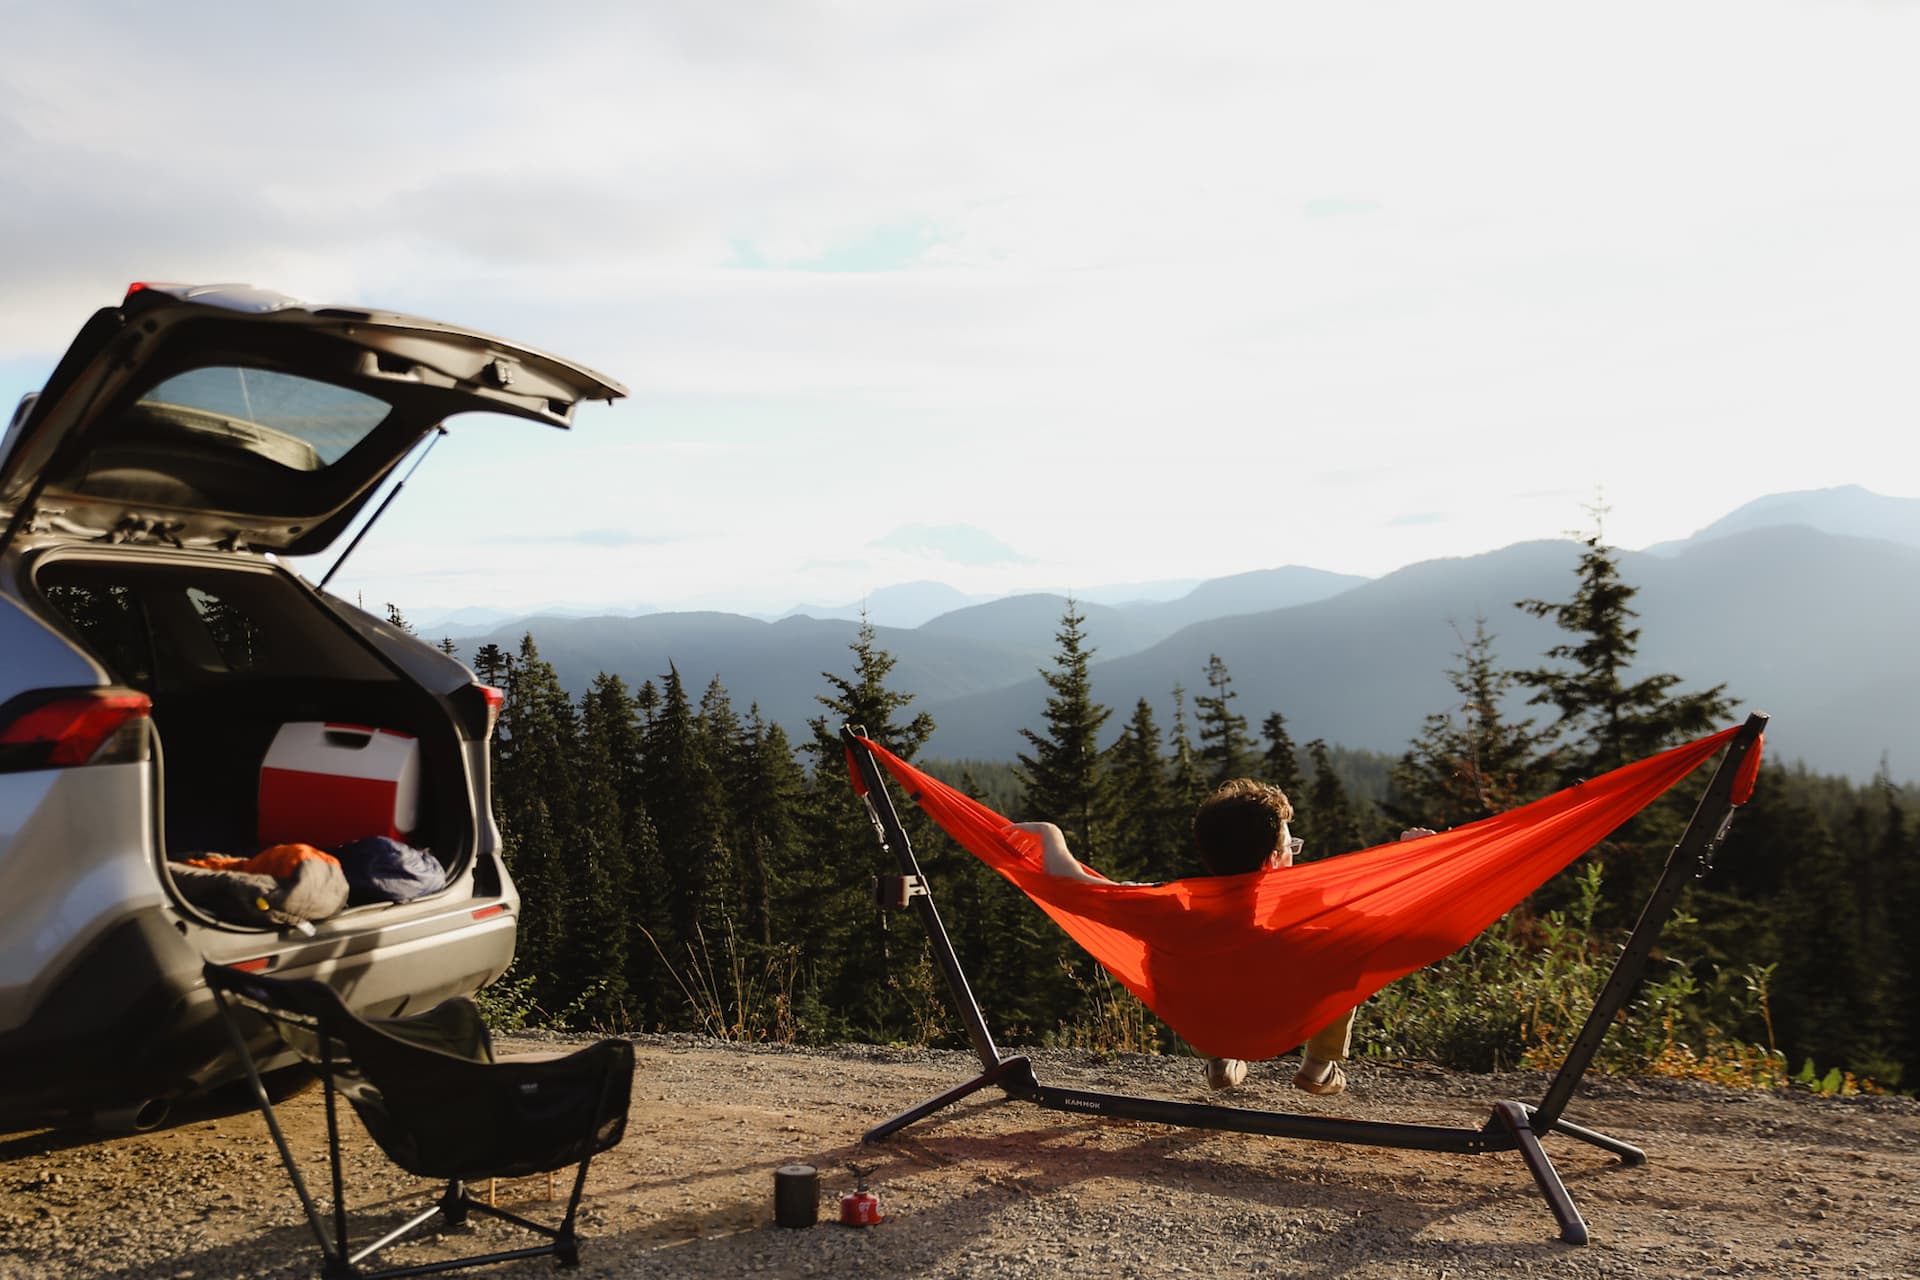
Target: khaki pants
1331,1042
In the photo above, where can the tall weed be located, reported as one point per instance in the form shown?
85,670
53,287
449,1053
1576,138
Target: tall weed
1109,1019
922,988
731,997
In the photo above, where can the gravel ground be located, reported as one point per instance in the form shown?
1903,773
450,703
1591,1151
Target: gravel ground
1735,1184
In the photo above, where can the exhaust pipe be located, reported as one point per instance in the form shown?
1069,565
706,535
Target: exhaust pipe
137,1117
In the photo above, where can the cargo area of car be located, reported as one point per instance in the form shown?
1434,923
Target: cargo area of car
246,669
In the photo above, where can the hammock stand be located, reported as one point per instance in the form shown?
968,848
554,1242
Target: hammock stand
1513,1126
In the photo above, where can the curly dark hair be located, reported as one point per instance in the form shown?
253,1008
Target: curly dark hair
1238,827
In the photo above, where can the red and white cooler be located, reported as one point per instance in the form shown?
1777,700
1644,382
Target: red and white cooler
326,784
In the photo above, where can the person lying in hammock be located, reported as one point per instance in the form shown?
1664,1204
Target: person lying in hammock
1241,827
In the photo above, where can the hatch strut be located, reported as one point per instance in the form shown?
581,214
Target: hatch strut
381,510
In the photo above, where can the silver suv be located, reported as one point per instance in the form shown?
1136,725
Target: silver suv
154,653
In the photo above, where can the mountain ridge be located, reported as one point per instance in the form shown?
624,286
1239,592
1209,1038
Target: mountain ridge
1814,627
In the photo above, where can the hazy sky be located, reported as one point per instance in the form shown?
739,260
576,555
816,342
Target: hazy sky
1024,295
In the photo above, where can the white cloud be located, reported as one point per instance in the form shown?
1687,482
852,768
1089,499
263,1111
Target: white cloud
962,544
1190,289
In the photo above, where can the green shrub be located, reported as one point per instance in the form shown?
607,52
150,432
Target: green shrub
1518,995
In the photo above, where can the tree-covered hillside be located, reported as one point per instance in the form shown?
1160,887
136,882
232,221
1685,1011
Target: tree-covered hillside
685,864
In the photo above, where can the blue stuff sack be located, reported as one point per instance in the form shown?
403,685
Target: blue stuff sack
380,869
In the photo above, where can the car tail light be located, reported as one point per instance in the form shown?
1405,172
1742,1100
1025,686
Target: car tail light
476,709
99,727
496,699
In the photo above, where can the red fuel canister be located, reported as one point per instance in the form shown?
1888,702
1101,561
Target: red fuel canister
859,1208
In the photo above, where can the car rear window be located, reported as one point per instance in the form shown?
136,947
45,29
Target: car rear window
158,627
301,423
240,641
109,619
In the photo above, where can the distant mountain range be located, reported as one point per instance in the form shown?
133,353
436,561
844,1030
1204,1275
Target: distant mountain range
1847,509
1805,605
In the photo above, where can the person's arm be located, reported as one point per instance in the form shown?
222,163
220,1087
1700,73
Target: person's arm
1055,858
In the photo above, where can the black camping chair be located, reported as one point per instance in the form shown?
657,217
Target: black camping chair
439,1105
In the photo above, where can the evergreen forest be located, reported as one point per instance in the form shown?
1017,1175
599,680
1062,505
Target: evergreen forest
686,865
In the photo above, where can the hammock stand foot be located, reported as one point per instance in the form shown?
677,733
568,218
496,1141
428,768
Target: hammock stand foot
1630,1155
1515,1119
1015,1075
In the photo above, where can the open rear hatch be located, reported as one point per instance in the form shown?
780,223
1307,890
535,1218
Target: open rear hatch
229,417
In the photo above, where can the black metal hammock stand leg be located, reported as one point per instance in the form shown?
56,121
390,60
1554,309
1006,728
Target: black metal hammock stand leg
1511,1125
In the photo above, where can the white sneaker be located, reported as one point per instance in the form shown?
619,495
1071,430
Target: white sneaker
1225,1073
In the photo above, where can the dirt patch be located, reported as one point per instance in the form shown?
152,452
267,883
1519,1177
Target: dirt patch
1734,1184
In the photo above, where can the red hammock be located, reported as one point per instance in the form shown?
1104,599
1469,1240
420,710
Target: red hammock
1249,966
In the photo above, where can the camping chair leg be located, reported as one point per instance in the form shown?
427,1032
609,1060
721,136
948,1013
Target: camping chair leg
336,1260
1513,1118
453,1203
569,1248
400,1232
333,1152
565,1246
1022,1082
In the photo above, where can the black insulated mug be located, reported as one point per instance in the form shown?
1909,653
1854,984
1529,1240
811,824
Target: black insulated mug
796,1195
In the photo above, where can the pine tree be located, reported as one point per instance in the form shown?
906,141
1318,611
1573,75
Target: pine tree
854,962
865,700
611,716
1605,720
1898,853
1822,995
683,798
1062,781
1327,821
720,739
1183,767
534,786
397,619
1469,762
449,647
720,730
1225,749
492,665
1150,829
1280,763
770,792
1871,870
595,958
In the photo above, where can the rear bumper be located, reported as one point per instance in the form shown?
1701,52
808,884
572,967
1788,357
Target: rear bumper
131,1019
